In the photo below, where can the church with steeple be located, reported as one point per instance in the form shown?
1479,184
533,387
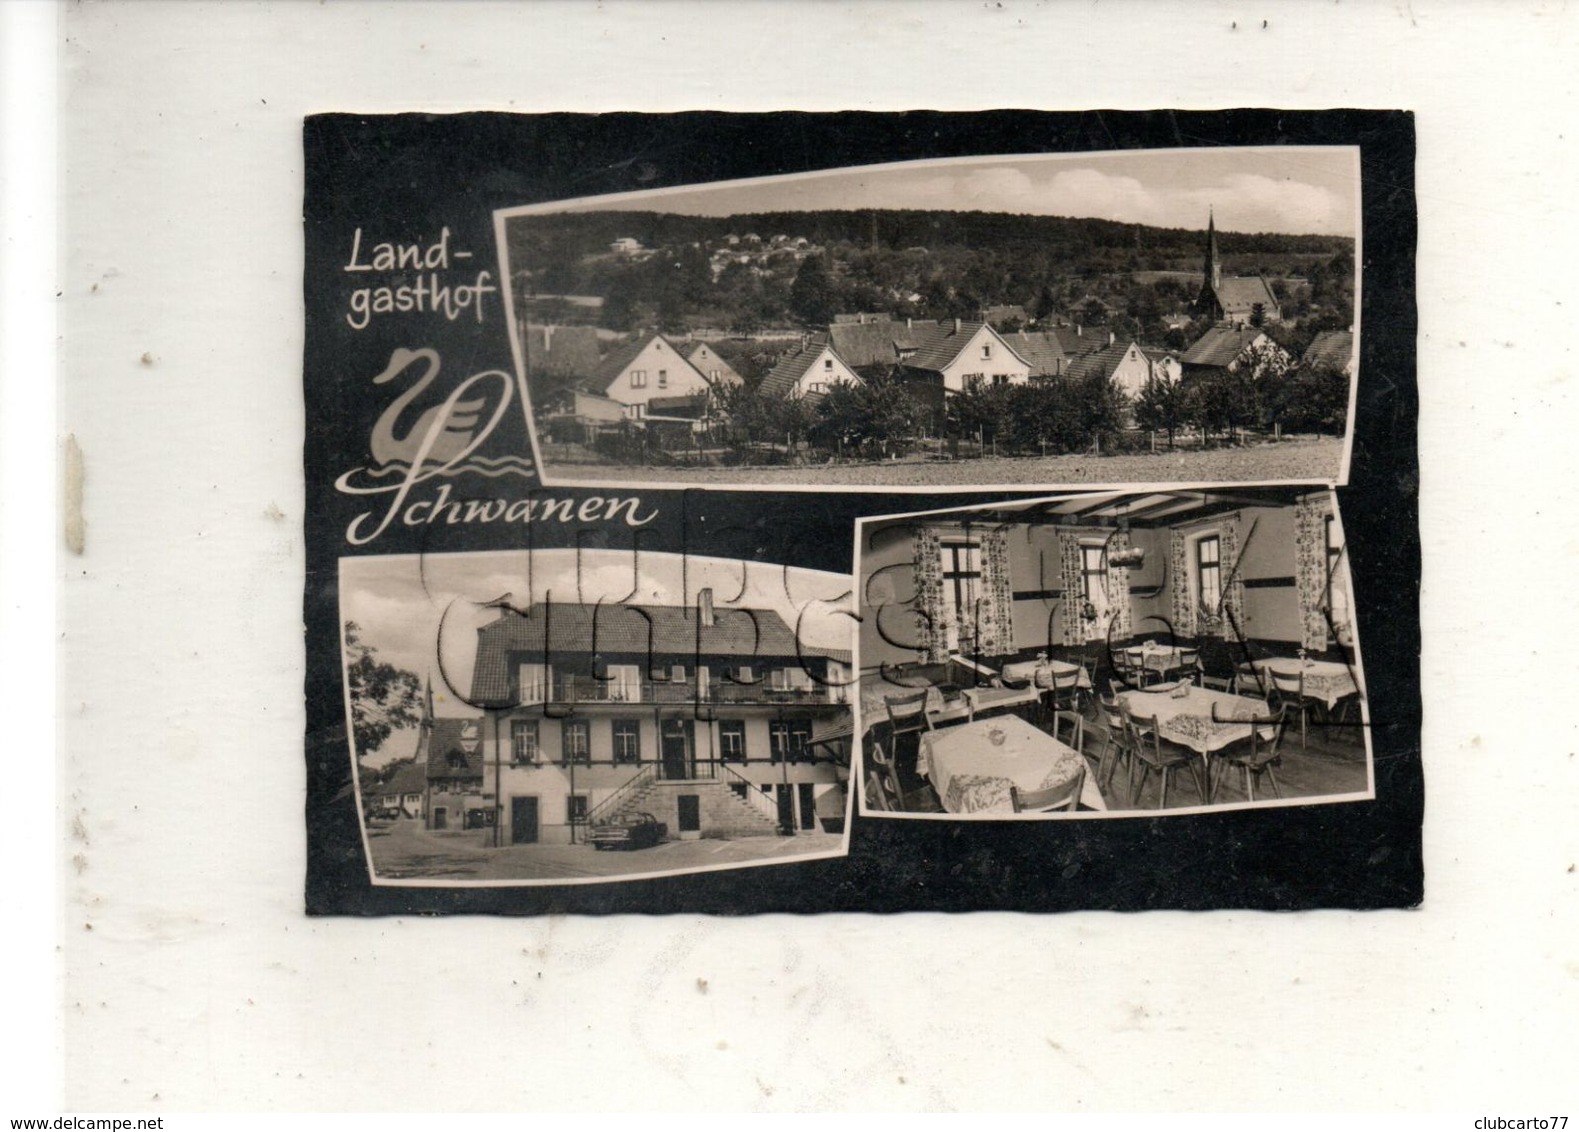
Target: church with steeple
1242,300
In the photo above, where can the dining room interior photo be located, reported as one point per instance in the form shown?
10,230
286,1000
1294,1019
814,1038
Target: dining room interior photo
1110,652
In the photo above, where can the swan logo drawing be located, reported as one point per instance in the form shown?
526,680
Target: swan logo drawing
425,432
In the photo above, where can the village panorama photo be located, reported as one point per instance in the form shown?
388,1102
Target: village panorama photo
565,717
1128,317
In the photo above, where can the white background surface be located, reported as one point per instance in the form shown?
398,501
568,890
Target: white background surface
201,986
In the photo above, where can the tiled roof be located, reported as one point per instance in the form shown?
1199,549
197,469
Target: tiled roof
1240,294
624,630
449,737
1041,349
870,343
726,372
618,358
1075,343
781,379
568,350
1220,345
410,778
1330,348
939,343
1102,363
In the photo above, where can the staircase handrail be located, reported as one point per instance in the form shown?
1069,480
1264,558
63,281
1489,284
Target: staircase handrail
610,805
754,797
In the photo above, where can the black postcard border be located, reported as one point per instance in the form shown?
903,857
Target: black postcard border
416,172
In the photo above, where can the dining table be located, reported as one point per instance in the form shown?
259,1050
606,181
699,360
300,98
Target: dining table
973,765
1161,659
1043,670
1325,680
1201,719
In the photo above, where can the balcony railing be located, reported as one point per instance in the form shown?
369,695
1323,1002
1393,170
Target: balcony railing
586,690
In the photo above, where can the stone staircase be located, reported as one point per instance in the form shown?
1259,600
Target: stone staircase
724,813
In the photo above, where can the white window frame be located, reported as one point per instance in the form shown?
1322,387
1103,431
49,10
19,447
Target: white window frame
520,729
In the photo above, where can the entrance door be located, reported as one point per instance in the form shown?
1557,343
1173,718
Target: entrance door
523,820
690,812
675,741
786,800
441,818
808,804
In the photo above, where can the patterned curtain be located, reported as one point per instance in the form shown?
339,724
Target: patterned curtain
1123,622
1233,620
1074,589
996,629
1310,570
931,631
1183,602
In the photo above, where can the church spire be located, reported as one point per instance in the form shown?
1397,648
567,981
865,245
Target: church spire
1213,267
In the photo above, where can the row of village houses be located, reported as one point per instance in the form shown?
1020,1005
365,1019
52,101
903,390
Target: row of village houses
717,721
654,378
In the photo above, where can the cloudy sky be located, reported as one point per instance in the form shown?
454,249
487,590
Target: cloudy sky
422,612
1302,190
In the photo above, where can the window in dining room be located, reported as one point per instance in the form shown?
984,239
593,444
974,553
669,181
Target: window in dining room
1337,596
1094,588
961,585
1209,574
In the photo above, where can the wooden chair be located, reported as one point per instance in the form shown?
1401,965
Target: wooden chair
1189,665
1216,683
1058,692
1255,756
1249,681
888,776
1066,797
877,794
1116,748
1289,690
1153,753
1131,668
1069,728
907,715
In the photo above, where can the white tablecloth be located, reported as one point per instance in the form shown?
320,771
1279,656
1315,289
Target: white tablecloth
1325,680
1157,658
972,774
1033,670
1202,720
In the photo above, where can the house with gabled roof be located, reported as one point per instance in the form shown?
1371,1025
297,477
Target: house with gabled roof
707,717
870,343
451,752
1123,364
1227,349
648,366
405,790
1244,300
707,361
1043,352
1075,339
809,369
1331,349
953,355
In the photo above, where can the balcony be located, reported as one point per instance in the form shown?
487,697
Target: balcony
586,690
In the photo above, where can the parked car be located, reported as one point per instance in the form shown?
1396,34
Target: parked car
630,831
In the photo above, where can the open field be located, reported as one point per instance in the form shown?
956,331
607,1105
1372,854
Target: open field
1285,460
